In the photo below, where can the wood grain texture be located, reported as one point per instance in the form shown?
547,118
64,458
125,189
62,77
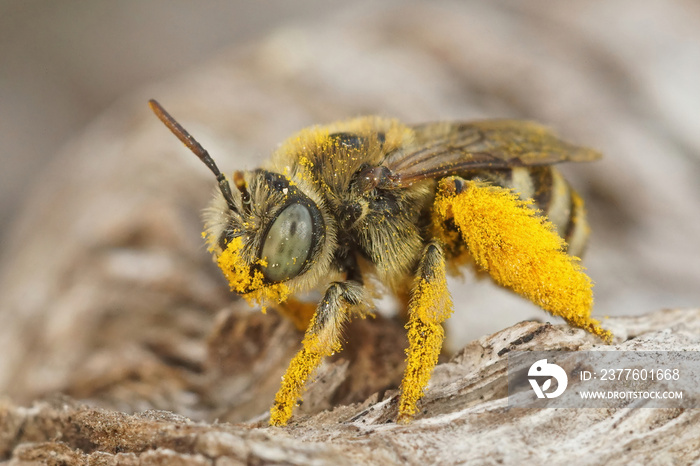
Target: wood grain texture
464,417
108,295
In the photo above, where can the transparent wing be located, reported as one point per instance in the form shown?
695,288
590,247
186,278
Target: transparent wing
444,149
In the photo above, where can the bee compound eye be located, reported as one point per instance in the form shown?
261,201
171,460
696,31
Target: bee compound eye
287,243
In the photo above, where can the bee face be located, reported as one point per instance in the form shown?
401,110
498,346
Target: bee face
275,229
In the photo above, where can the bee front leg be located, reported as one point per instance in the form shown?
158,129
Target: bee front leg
322,339
430,305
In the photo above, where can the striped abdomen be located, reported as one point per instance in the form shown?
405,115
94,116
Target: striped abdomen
553,196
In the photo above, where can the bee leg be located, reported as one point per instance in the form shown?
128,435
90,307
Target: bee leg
322,339
301,312
520,250
430,305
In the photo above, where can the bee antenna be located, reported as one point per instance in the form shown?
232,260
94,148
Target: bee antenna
187,139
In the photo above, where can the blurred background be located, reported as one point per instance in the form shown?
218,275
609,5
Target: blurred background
619,75
62,64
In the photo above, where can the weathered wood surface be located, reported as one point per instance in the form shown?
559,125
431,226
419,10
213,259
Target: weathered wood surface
464,417
107,294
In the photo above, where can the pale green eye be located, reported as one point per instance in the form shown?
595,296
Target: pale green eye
287,243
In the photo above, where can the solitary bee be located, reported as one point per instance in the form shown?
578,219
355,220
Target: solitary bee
371,197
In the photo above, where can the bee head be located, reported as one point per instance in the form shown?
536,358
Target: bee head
272,234
264,233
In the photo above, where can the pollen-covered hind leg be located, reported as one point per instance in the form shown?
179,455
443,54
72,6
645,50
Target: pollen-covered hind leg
430,305
518,249
322,339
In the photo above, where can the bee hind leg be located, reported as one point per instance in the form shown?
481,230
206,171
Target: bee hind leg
322,338
430,305
519,249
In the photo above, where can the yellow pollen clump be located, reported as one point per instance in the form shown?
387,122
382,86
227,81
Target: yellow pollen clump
251,285
520,251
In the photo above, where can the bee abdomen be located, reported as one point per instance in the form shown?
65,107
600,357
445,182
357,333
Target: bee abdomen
553,197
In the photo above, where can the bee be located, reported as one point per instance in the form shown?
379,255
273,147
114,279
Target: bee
371,201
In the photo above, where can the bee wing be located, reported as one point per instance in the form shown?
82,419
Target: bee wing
444,149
